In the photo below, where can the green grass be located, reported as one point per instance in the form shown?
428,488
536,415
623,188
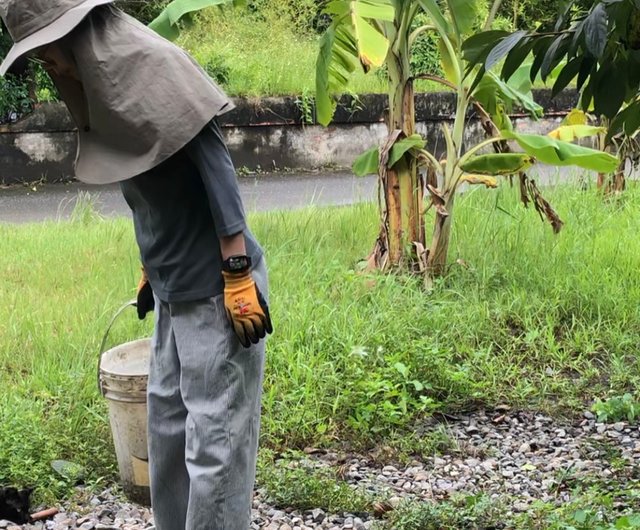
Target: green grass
591,509
265,55
532,319
464,512
296,484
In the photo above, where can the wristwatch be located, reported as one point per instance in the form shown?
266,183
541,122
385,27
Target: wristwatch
236,264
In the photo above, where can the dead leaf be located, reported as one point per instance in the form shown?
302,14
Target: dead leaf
489,182
381,507
421,254
442,211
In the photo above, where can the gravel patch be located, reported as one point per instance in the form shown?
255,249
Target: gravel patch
520,456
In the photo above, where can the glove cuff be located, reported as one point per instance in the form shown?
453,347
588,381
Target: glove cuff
236,279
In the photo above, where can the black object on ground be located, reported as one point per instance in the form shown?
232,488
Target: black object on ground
14,504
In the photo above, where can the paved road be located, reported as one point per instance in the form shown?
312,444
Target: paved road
20,204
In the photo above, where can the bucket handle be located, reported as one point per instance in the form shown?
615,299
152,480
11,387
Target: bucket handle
131,303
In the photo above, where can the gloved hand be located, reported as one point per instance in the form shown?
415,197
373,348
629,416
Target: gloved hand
144,301
247,309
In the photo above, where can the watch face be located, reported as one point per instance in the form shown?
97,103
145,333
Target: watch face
238,263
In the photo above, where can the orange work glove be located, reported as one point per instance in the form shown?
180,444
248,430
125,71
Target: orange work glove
247,309
144,299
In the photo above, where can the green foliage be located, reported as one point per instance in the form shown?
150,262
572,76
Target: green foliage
306,104
396,390
283,64
599,507
595,44
45,89
217,68
301,486
558,153
617,408
367,163
15,98
353,41
168,22
497,164
592,519
304,16
425,56
144,10
470,512
531,14
45,426
17,92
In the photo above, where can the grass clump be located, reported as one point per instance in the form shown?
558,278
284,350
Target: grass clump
294,483
601,507
464,512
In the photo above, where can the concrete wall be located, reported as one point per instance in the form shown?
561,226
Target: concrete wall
263,133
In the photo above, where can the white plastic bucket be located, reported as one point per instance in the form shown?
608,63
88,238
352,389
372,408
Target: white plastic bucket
123,375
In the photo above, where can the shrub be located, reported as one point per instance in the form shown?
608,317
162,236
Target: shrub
425,57
145,12
304,15
15,98
530,15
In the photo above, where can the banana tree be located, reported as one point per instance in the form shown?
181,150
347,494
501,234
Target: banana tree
373,33
369,34
596,44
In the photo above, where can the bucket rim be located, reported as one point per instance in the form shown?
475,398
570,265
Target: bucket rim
118,375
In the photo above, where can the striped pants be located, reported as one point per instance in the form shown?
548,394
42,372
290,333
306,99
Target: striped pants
204,416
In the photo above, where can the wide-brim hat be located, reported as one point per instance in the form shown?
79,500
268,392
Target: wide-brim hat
36,23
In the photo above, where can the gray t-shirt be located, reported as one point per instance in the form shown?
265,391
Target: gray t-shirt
180,210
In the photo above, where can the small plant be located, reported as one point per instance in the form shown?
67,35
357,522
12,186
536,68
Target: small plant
472,511
45,89
85,211
354,105
591,519
617,409
596,508
306,106
299,485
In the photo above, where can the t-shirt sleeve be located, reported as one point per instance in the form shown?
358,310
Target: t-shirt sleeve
210,155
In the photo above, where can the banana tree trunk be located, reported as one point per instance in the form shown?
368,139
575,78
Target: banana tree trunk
615,183
403,186
439,249
444,199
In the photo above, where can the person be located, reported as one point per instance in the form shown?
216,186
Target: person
146,116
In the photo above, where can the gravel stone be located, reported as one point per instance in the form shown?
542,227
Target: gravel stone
504,455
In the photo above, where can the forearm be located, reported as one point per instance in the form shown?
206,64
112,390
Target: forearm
233,246
209,154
